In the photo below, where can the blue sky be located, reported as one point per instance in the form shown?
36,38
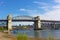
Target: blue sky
46,9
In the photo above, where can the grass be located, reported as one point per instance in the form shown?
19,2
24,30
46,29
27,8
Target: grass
50,37
21,36
1,29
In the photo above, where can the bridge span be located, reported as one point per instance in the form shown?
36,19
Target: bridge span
36,20
14,20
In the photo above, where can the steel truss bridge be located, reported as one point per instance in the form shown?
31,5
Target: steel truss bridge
37,22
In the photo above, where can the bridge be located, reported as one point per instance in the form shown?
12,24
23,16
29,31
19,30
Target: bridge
36,20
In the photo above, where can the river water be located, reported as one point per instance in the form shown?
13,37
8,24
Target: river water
39,33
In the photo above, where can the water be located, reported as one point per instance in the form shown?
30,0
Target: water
39,33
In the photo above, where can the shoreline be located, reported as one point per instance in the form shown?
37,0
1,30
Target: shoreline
5,36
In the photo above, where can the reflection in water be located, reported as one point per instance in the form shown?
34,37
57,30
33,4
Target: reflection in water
36,34
39,33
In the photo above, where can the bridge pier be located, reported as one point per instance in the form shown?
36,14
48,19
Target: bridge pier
37,24
9,22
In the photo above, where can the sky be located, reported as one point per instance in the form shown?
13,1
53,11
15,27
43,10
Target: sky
46,9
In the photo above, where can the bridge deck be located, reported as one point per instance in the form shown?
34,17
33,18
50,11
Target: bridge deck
49,21
30,20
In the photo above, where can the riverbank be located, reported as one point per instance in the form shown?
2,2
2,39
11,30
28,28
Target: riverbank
5,36
42,39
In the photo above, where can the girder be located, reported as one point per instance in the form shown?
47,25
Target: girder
24,18
27,18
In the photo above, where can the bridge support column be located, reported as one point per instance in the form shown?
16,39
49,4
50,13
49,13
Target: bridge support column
37,23
9,22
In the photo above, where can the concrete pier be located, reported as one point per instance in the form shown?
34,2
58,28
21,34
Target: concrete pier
37,24
9,22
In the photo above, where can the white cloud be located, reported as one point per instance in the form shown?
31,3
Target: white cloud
25,10
57,1
51,15
56,7
30,12
22,9
40,3
45,8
